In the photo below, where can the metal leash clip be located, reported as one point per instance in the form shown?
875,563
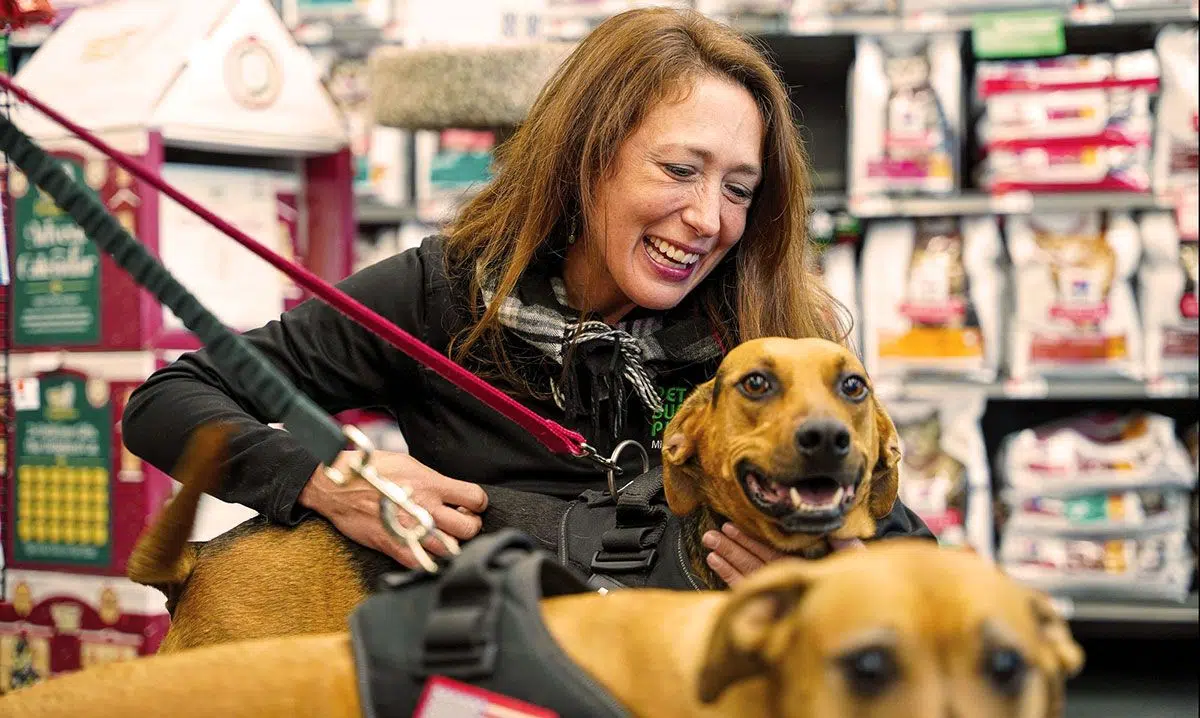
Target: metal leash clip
394,498
613,472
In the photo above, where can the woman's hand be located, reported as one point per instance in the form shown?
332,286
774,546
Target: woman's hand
354,508
734,555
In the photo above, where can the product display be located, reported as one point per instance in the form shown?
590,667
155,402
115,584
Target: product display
1075,313
932,297
1097,505
1167,287
1072,123
944,473
1177,133
905,115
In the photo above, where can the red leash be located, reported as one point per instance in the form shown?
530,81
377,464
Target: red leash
552,435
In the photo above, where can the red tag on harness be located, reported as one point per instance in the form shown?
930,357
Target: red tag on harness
447,698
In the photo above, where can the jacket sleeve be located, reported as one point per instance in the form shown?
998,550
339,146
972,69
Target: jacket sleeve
336,362
902,522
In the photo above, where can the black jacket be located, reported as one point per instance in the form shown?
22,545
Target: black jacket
341,366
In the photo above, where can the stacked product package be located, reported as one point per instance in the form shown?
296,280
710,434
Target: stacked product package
905,115
1097,507
1068,124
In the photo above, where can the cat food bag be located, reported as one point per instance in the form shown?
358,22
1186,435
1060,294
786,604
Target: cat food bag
1074,310
1167,289
1177,129
932,292
905,115
944,470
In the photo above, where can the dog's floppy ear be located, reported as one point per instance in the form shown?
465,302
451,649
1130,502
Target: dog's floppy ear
1063,655
741,633
681,439
885,479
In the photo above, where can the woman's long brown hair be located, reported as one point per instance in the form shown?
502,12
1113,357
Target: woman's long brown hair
547,172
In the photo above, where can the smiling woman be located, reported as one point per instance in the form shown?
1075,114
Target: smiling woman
648,215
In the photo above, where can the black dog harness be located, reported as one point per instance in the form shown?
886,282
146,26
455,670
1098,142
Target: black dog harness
450,643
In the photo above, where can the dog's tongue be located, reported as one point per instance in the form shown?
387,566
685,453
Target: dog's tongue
816,493
768,490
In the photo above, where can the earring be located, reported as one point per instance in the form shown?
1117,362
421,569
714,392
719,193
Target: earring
571,236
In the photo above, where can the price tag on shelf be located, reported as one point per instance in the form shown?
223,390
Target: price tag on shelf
810,24
927,22
1012,203
1167,387
871,206
1064,606
1091,14
1035,388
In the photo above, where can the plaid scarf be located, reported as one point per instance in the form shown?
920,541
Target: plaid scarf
618,359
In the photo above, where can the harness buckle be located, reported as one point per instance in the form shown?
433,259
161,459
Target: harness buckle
624,561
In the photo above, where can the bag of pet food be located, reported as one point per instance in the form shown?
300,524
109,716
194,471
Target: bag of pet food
944,475
932,293
1167,288
1075,314
1177,128
905,115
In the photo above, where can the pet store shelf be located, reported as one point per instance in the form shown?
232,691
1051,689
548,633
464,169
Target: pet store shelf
373,213
1100,389
1183,614
941,22
1010,203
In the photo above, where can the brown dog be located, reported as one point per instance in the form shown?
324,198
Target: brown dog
787,442
903,629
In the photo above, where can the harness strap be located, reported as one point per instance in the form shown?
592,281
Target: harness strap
641,519
552,435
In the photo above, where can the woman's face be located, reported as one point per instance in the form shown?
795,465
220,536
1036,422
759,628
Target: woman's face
674,204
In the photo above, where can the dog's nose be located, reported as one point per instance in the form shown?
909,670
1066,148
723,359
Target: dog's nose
823,437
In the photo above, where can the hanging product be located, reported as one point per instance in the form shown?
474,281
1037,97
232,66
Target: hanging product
905,115
1177,129
944,472
1167,289
1075,313
1073,123
932,292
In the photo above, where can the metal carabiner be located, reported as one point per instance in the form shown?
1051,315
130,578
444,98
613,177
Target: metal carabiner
615,468
394,498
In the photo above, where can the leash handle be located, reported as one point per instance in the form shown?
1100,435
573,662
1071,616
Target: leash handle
553,436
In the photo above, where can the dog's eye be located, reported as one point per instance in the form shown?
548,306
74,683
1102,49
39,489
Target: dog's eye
854,387
1005,668
755,385
870,671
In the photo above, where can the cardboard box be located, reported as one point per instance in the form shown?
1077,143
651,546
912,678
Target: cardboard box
52,623
77,500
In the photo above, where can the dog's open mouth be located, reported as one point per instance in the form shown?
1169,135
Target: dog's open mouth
815,503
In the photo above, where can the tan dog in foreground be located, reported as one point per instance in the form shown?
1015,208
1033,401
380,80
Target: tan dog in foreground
787,441
902,629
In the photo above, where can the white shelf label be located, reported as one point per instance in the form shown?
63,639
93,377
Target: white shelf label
1167,386
1012,203
872,206
1035,388
810,25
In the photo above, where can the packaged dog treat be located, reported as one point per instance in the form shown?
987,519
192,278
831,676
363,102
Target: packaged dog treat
932,292
1154,566
1177,140
905,115
944,473
1167,289
1092,453
1075,313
